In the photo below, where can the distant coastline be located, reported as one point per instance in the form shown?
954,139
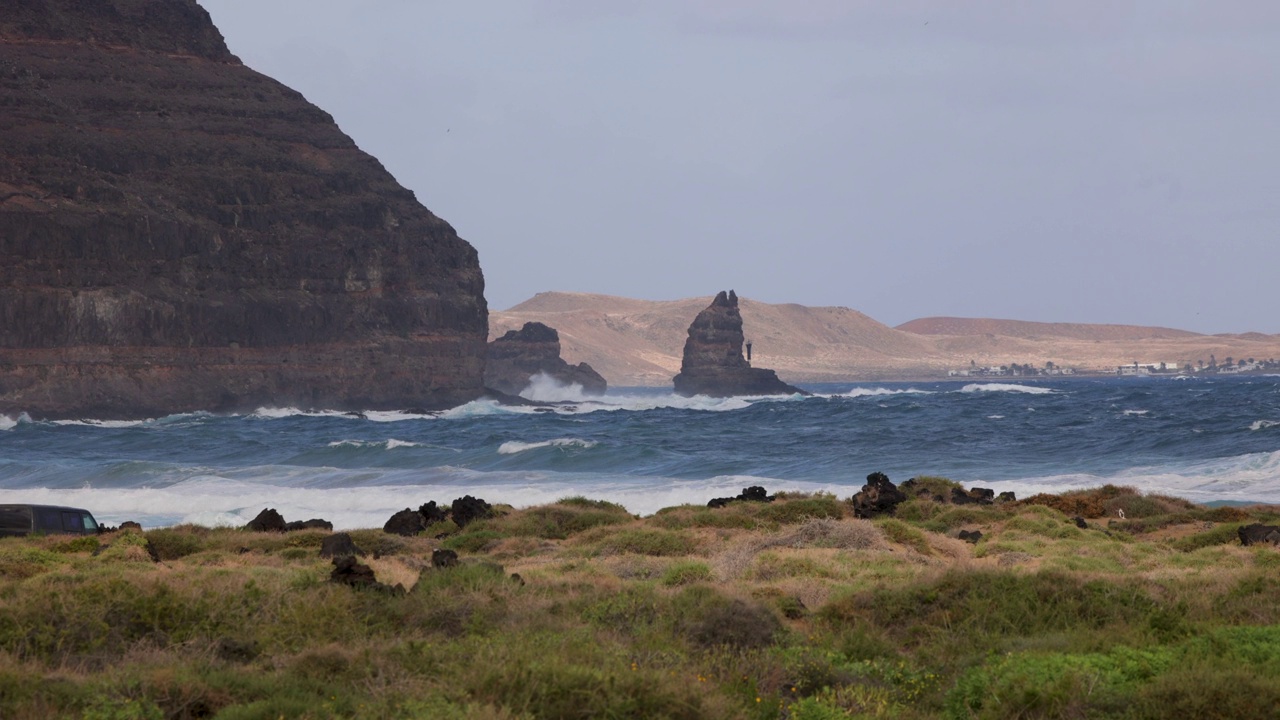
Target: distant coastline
637,343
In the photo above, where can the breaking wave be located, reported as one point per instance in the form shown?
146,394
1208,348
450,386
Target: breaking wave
879,392
391,444
512,447
1006,387
1264,424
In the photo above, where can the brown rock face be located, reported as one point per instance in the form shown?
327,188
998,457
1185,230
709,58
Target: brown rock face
713,363
179,232
535,348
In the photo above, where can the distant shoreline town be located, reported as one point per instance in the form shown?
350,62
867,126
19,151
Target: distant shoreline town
1229,366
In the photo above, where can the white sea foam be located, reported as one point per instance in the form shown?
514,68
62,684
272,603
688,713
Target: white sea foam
1264,424
7,423
278,413
1006,387
1136,412
513,447
235,498
114,424
391,444
995,417
877,392
544,388
1254,477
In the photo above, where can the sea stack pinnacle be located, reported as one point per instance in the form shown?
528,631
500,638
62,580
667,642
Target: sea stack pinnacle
713,363
179,232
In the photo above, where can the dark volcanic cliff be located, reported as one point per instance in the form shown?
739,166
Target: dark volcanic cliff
520,354
713,363
179,232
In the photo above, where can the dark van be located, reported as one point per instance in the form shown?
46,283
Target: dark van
27,519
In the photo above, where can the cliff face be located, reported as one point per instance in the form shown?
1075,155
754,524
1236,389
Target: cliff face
179,232
713,363
535,348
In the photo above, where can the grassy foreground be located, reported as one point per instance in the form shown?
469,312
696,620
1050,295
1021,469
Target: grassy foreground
792,609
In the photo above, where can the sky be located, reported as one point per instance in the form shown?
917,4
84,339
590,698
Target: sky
1075,161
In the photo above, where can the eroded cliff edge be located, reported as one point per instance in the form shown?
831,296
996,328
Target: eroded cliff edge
179,232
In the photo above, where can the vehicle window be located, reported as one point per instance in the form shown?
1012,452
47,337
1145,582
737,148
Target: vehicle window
15,519
89,524
47,520
71,522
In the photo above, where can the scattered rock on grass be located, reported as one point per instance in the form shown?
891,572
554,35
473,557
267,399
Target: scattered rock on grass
755,493
349,571
878,497
339,544
407,522
467,509
312,524
443,558
1258,533
267,521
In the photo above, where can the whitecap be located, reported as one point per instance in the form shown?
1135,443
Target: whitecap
110,424
1007,387
995,417
1263,424
512,447
1135,412
876,392
7,423
391,444
278,413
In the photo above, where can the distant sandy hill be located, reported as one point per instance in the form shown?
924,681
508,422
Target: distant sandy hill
638,342
1040,330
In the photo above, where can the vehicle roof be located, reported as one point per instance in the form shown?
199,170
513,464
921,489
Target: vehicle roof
38,505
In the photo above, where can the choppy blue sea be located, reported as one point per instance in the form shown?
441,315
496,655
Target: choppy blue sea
1203,439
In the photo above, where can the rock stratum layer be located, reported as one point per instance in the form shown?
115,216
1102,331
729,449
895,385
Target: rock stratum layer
519,355
179,232
713,363
637,342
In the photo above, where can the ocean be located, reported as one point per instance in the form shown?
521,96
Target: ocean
1205,439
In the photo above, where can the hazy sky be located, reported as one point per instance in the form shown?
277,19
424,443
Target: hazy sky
1073,161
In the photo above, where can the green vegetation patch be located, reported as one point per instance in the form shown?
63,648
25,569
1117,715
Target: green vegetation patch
640,541
901,533
1185,679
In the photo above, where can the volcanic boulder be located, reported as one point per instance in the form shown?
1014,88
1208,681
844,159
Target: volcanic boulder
713,363
179,232
878,497
1258,533
267,521
516,357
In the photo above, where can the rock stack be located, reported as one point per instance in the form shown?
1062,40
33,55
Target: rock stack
713,363
516,357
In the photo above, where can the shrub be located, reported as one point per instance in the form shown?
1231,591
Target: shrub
790,512
170,544
903,534
684,573
1218,535
1085,503
474,540
710,619
641,541
563,519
